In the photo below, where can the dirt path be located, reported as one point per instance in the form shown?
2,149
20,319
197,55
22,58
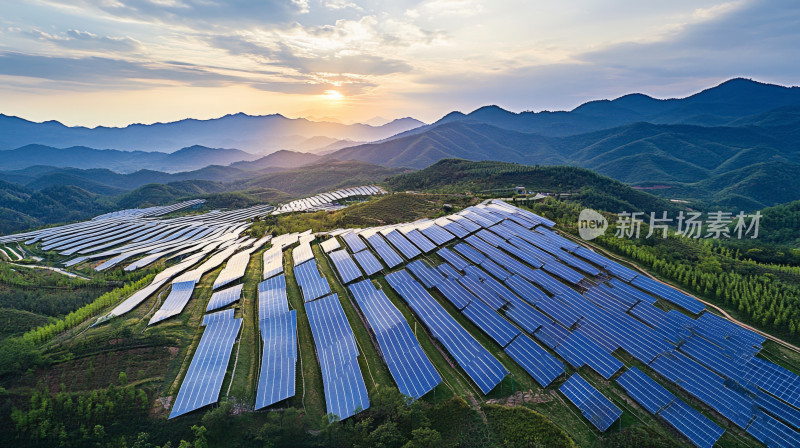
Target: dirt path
721,311
50,268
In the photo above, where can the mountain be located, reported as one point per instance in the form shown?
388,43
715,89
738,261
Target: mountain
261,134
186,159
278,159
725,104
740,135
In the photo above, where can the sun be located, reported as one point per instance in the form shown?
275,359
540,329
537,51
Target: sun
332,95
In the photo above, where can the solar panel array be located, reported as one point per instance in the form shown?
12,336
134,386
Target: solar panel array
203,380
326,201
224,298
411,369
477,362
278,328
312,284
345,266
700,430
337,352
598,409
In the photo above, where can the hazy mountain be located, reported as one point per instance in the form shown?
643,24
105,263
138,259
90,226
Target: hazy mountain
278,159
740,130
255,134
725,104
186,159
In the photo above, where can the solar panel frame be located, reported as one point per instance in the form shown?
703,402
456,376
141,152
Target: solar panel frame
598,409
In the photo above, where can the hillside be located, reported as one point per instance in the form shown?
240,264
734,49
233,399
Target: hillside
320,177
584,186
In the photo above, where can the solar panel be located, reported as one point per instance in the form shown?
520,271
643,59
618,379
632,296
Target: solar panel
387,254
411,369
578,350
598,409
354,242
490,322
669,294
540,364
276,380
302,253
273,262
369,264
337,352
771,432
175,302
330,245
272,298
427,275
419,240
402,244
312,284
436,233
452,258
347,268
477,362
455,293
203,380
224,298
695,426
646,391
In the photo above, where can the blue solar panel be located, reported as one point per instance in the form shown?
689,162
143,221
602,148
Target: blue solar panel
598,409
402,244
272,299
524,289
347,268
645,390
354,242
559,311
411,369
436,234
203,380
389,256
669,294
695,426
419,240
455,228
705,386
469,253
448,272
490,322
525,316
578,350
773,379
312,284
483,292
540,364
428,276
551,334
491,238
276,381
778,409
224,298
771,432
477,362
628,293
369,264
455,293
337,352
452,258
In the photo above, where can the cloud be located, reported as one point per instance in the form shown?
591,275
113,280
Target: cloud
84,40
753,39
196,12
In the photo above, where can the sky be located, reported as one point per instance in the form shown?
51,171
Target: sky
116,62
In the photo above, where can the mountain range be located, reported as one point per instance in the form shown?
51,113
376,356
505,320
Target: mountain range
736,145
259,134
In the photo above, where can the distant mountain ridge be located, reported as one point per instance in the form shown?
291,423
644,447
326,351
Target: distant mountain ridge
185,159
261,134
689,144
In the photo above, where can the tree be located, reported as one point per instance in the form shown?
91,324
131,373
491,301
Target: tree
424,438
